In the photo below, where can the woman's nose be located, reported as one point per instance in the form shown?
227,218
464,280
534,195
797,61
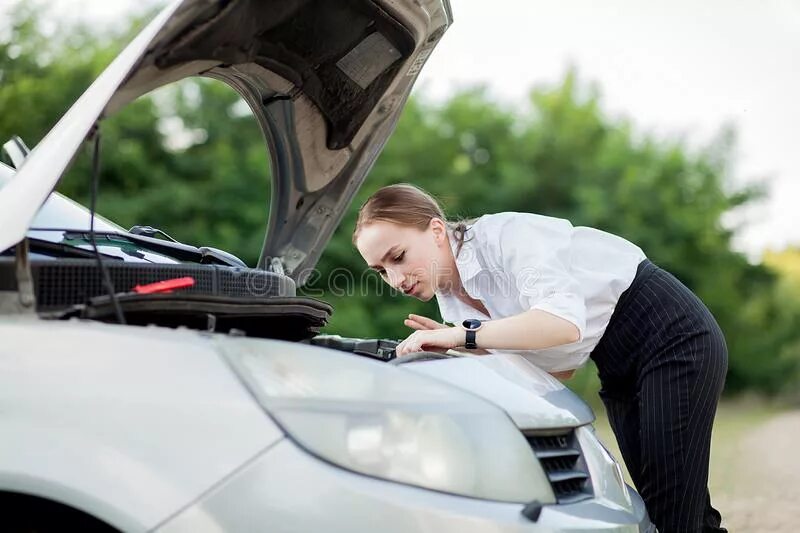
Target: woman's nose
395,279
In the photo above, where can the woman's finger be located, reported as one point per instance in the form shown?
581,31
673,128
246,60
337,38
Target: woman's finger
403,347
413,343
435,349
414,324
405,350
427,322
430,323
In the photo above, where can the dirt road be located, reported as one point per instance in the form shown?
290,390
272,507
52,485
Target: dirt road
756,482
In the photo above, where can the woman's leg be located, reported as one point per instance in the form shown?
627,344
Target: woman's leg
662,362
623,416
679,387
644,428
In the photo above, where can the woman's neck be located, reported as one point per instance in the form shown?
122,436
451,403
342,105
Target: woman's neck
453,285
449,277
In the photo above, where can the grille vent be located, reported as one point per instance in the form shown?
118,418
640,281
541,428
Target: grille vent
562,460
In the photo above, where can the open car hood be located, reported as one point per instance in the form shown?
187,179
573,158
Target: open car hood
325,79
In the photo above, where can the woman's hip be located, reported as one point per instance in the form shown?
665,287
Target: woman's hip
657,321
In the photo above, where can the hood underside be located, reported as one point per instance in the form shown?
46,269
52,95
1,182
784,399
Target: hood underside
341,55
325,79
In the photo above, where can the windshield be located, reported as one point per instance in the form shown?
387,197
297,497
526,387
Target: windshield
203,178
60,212
189,159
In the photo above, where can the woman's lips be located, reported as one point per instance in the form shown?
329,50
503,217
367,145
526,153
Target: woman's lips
410,290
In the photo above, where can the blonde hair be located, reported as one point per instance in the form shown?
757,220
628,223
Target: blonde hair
406,205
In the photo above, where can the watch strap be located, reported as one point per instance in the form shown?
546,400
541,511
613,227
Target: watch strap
470,343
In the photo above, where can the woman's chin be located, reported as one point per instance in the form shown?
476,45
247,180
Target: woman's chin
423,295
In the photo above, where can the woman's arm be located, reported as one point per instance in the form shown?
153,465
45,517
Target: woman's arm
563,375
531,330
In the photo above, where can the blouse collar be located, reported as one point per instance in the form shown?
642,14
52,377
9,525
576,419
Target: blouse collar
468,267
467,258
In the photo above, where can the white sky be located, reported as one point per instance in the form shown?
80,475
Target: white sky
674,67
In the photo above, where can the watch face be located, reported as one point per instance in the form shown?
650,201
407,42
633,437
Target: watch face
471,323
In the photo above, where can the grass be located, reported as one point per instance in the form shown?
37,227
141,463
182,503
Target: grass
735,418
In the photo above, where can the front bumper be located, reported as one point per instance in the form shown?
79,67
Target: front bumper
286,490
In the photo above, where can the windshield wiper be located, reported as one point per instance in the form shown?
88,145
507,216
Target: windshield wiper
58,249
176,250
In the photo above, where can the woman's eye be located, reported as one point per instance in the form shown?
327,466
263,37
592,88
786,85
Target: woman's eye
399,257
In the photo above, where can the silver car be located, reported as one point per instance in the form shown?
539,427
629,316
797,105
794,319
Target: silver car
149,385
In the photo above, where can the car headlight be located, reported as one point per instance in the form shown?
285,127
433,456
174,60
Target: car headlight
606,472
390,423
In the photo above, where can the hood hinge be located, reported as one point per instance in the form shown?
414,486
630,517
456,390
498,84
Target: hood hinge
276,266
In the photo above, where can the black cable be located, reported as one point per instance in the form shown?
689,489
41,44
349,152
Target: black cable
420,356
100,264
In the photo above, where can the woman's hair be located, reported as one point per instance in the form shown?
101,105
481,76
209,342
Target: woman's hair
406,205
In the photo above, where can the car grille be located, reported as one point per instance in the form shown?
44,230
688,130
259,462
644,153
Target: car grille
562,460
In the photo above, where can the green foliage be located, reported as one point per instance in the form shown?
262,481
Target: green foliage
189,161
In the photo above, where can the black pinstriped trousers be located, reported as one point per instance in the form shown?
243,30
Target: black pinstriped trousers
662,362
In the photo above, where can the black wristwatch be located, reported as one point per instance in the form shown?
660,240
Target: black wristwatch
471,325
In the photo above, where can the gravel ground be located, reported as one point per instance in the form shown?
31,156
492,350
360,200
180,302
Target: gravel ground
762,478
755,466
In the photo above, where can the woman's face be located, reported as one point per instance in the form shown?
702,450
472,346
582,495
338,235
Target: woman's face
411,260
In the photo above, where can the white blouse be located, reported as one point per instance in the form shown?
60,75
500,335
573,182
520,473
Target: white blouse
514,262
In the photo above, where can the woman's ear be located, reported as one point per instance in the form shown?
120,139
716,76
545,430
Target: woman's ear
439,229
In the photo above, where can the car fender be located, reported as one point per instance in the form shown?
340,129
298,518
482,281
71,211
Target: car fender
128,424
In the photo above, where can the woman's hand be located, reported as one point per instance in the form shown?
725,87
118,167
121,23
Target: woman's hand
439,340
420,322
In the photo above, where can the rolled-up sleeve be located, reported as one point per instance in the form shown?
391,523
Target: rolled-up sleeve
535,256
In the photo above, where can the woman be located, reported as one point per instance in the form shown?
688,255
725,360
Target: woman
559,294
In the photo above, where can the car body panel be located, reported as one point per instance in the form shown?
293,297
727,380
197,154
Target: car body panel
319,497
152,422
531,397
132,428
